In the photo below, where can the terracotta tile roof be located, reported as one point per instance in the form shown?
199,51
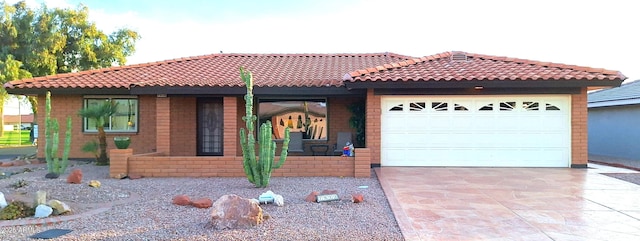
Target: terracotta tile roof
461,66
219,70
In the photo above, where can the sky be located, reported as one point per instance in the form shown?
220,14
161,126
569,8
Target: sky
598,34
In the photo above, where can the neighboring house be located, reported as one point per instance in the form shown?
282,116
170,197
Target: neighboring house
18,122
614,117
448,109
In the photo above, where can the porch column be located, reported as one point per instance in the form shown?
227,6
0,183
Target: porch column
230,125
373,125
579,130
163,125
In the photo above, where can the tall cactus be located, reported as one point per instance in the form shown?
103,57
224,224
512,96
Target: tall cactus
52,140
258,170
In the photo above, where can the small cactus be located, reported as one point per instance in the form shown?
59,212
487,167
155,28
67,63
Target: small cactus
52,128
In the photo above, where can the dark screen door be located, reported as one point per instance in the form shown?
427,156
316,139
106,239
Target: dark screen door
210,118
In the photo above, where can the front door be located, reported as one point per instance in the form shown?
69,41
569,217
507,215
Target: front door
210,118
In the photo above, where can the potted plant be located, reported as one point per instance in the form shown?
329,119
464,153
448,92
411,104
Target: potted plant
122,142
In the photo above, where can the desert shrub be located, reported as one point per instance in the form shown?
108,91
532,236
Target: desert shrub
16,210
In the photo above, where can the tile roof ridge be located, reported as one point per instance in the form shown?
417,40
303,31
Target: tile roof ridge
548,64
410,61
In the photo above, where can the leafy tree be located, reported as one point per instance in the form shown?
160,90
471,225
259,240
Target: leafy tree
52,41
100,114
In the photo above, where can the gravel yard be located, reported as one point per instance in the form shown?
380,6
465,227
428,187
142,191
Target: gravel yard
141,209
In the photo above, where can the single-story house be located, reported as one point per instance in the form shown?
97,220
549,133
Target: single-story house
18,122
448,109
614,117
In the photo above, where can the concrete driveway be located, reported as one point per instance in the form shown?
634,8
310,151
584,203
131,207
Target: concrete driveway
512,203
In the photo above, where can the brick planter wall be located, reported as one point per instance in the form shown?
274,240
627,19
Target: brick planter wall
155,165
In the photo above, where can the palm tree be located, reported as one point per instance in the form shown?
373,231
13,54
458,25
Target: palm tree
100,113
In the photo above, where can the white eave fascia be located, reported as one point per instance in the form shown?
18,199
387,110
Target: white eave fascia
633,101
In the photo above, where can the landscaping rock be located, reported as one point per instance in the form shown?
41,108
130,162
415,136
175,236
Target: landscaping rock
119,176
232,211
75,177
19,163
43,211
133,177
328,191
278,200
59,207
182,200
94,183
357,198
40,198
266,197
3,201
202,203
312,197
51,175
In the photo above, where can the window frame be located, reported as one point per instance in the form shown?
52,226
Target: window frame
301,99
136,113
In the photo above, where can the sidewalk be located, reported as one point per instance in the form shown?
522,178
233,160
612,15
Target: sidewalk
615,161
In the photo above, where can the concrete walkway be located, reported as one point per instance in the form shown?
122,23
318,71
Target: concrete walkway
512,203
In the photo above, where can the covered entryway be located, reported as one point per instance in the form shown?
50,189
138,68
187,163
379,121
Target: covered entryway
489,131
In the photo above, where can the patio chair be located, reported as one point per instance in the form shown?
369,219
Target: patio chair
295,142
343,138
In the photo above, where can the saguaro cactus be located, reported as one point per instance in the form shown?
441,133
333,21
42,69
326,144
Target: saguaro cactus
258,170
52,128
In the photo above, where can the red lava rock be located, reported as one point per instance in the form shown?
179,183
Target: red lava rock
133,176
327,191
182,200
75,177
312,197
6,164
35,161
19,163
202,203
357,198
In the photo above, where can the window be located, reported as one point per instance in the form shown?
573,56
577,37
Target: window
308,116
459,107
124,120
439,106
507,106
417,106
397,108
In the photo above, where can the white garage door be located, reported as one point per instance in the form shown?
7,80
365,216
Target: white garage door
489,131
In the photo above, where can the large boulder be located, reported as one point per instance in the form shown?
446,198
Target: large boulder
232,211
75,177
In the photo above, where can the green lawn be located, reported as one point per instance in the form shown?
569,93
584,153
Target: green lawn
15,138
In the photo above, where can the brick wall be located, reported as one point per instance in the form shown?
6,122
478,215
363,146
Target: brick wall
231,166
373,135
231,136
68,105
183,126
579,129
163,125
